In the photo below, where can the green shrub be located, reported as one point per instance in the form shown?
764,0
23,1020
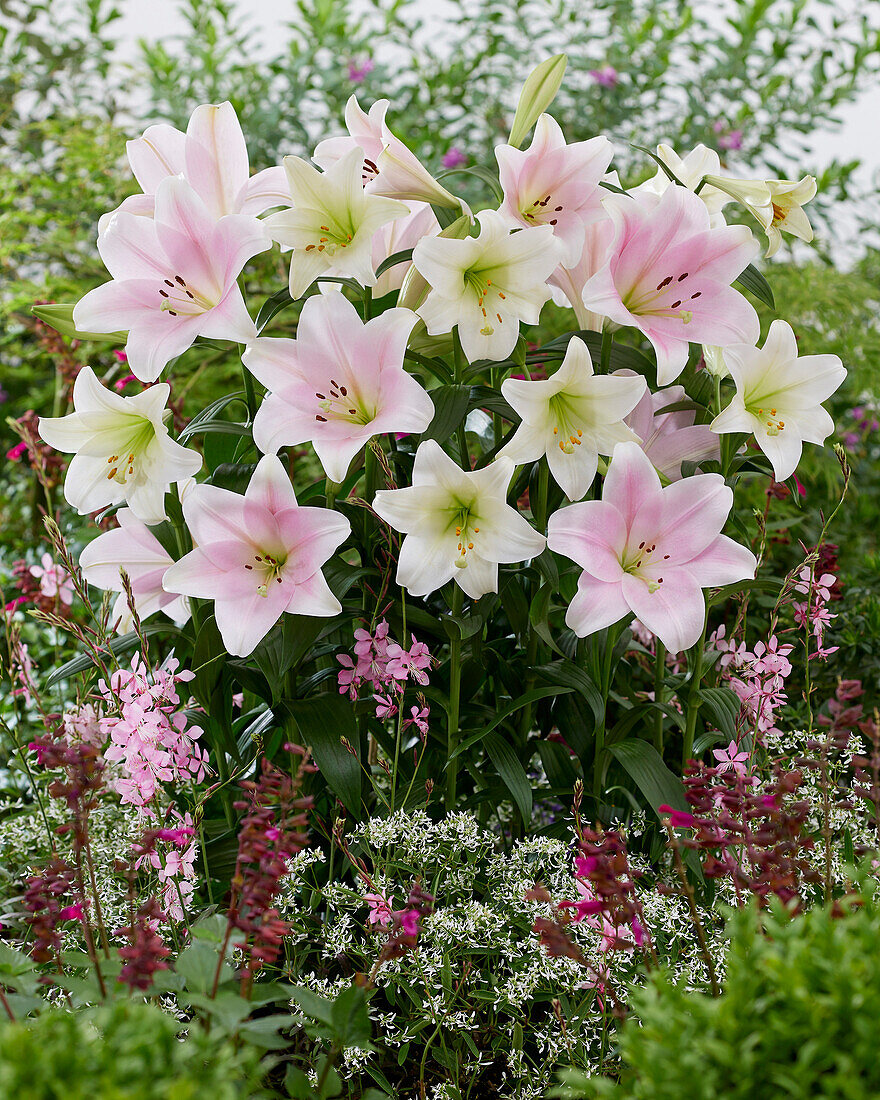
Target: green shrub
797,1018
125,1051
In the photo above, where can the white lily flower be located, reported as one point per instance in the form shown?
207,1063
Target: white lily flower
572,418
331,223
123,449
703,166
487,284
778,397
788,197
457,523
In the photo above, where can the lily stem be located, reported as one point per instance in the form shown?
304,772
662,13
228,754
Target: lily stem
454,699
659,673
694,700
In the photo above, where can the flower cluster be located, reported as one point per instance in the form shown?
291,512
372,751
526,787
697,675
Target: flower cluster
751,834
150,741
387,667
812,614
757,678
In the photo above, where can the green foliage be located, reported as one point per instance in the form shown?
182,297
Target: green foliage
797,1017
124,1051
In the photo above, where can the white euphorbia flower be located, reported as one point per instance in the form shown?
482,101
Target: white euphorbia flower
331,224
457,523
778,397
389,167
703,164
572,418
487,284
211,156
123,449
552,183
133,547
338,384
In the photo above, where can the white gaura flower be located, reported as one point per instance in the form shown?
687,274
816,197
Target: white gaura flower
211,156
457,523
331,224
389,167
572,418
123,449
778,397
487,284
338,384
133,547
552,183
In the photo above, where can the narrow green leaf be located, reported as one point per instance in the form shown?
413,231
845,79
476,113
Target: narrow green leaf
450,409
646,768
512,772
527,697
754,282
322,722
402,257
274,304
723,705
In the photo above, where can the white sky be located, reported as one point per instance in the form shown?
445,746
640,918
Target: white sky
157,19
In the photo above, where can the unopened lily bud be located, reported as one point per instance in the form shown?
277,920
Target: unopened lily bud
537,94
59,315
713,357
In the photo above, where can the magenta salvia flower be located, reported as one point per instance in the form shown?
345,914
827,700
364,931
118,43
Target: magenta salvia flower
669,276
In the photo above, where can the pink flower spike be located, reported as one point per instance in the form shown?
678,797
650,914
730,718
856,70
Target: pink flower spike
648,550
669,276
258,556
338,384
174,278
556,184
73,912
678,818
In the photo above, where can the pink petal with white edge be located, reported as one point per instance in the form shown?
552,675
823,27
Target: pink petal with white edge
130,249
116,306
270,486
213,514
216,157
196,575
675,611
157,338
694,511
631,481
593,535
311,536
273,361
723,561
313,596
266,189
229,320
244,623
160,152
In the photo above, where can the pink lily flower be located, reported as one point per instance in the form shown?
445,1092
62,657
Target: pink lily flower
552,183
338,384
670,438
174,278
133,547
648,550
390,169
257,556
212,157
669,276
397,236
568,283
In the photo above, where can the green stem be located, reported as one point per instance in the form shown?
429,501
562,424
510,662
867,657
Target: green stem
249,393
693,707
659,673
607,341
454,700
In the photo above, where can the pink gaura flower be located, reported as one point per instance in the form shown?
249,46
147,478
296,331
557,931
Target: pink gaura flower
54,579
419,719
731,759
385,706
669,276
649,550
174,278
380,910
403,663
257,556
338,384
552,183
